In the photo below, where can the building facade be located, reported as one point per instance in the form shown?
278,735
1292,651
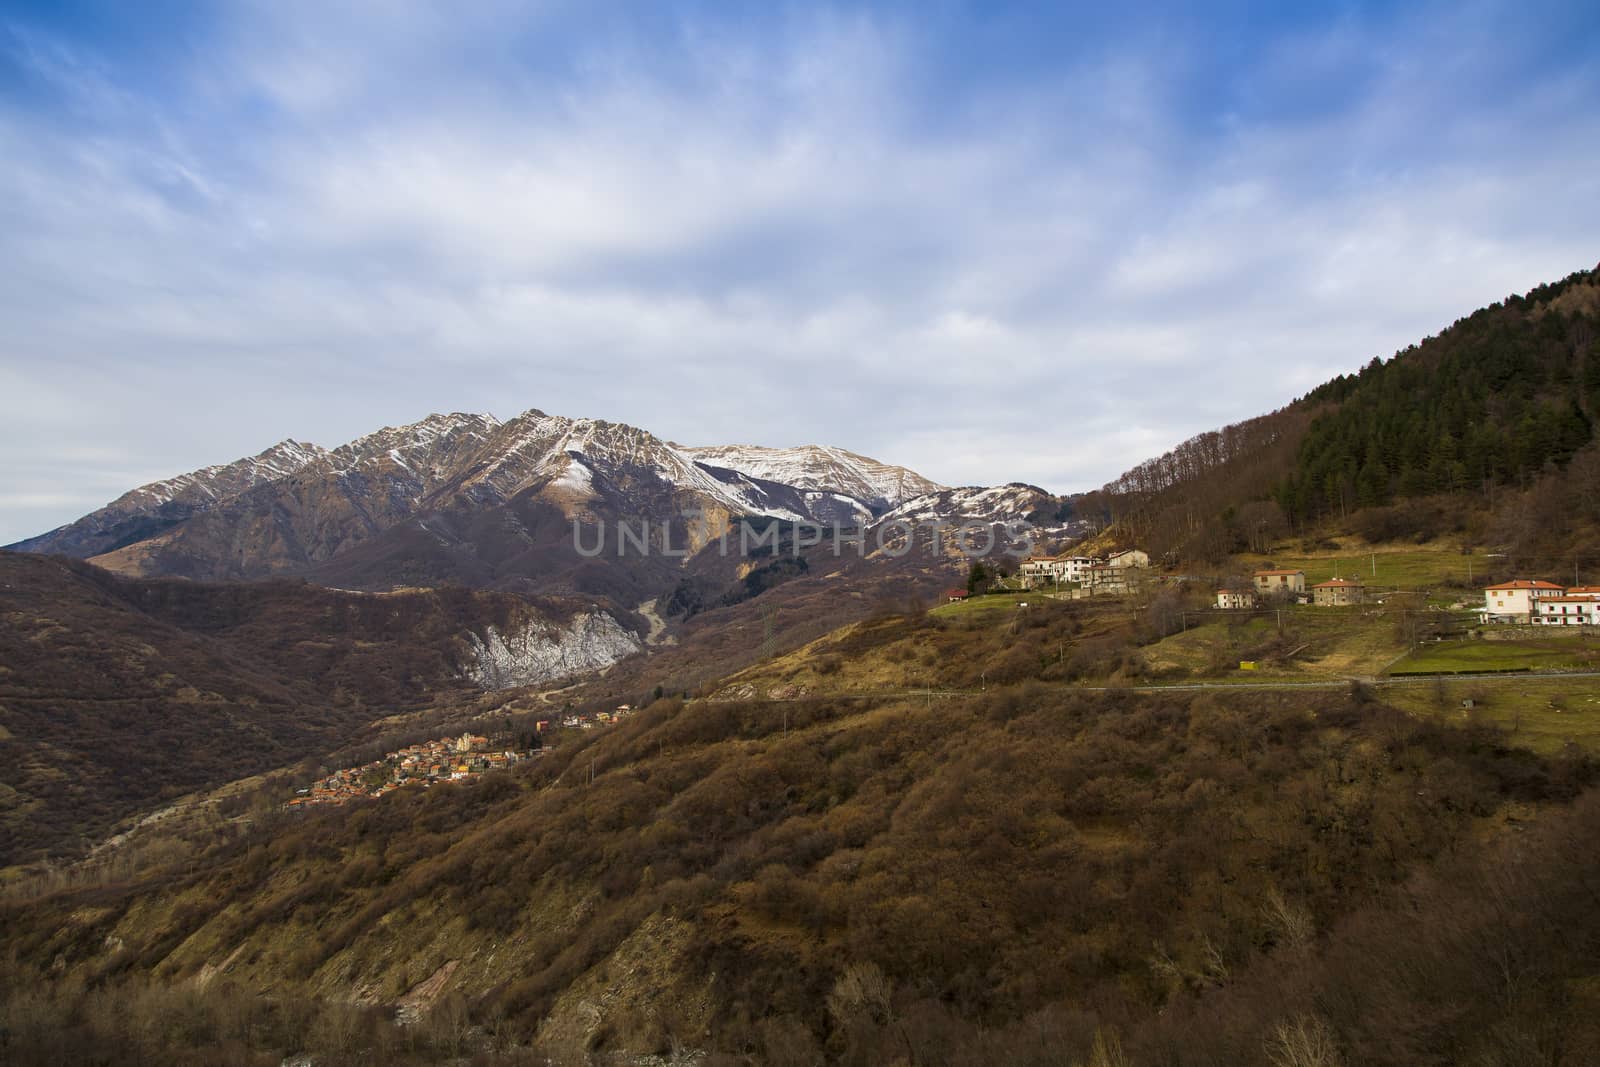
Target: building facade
1567,611
1337,593
1271,582
1517,601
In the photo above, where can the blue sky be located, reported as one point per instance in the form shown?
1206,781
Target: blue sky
989,241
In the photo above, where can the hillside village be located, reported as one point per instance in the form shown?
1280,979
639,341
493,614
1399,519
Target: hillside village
1289,586
1124,572
443,759
1114,574
1522,601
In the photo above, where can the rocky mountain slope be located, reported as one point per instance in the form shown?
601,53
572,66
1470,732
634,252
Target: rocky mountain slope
117,694
148,510
1013,502
540,651
819,469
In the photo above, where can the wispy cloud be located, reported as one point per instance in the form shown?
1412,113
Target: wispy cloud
798,225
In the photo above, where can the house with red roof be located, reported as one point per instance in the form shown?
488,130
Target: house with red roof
1567,610
1517,600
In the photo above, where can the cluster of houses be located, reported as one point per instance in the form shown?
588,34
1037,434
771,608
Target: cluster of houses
1290,586
589,720
1538,603
446,759
441,760
1111,575
1523,600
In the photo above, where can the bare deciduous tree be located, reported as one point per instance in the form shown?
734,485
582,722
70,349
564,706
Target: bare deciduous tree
1303,1041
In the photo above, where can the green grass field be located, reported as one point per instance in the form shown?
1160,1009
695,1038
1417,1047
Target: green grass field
1542,713
979,605
1382,567
1466,657
1316,642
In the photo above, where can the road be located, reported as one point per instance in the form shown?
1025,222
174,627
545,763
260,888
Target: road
1189,687
1343,683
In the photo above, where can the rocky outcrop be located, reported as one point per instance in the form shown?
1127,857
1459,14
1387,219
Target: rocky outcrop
543,652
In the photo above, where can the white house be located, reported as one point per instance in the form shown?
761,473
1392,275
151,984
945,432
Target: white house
1515,601
1095,577
1236,599
1269,582
1039,571
1567,611
1074,567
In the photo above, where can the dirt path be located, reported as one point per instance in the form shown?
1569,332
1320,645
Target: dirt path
658,627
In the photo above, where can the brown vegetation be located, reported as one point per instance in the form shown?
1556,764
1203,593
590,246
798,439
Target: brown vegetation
979,880
118,694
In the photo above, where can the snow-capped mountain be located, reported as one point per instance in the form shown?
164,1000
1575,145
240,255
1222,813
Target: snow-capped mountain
1013,502
820,469
472,494
148,510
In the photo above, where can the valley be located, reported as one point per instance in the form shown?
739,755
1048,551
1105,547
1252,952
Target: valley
878,534
360,755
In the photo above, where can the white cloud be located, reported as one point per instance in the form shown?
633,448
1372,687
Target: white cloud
728,235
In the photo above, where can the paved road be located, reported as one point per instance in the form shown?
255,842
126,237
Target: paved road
1189,687
1343,683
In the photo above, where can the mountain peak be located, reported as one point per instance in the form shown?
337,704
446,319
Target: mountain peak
820,468
458,467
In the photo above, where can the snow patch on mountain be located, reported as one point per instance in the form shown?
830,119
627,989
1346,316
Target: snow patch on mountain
576,478
997,503
543,652
222,479
422,449
818,468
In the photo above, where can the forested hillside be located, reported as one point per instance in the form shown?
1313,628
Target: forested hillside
992,879
1497,398
1499,404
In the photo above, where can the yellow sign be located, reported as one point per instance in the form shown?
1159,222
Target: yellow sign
1247,665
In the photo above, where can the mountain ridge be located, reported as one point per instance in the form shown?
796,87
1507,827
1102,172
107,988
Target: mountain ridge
470,498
